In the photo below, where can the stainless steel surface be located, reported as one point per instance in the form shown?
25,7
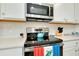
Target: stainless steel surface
45,4
28,49
32,29
39,16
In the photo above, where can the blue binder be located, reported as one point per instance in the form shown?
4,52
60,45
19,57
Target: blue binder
56,50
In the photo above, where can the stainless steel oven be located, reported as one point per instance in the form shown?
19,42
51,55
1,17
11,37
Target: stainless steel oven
29,46
38,37
42,11
37,34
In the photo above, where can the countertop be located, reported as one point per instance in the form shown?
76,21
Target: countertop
69,37
6,43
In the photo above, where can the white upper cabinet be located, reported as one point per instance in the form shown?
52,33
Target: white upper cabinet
0,10
77,12
13,11
11,52
64,11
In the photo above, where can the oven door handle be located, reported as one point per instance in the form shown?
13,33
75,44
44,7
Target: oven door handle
61,44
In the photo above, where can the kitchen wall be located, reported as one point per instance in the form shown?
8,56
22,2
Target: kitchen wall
9,29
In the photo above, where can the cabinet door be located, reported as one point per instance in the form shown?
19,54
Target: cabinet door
77,12
78,52
77,48
13,10
70,52
0,10
11,52
69,48
69,45
64,11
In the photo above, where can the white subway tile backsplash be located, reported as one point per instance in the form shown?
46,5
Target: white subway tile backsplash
52,27
10,29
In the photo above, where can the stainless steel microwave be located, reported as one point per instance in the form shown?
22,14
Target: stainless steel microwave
39,12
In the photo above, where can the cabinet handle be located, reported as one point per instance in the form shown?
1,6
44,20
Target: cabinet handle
3,13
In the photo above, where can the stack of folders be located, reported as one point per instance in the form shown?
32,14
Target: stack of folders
47,51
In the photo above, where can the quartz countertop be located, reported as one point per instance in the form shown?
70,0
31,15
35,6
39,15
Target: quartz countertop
19,42
6,43
69,37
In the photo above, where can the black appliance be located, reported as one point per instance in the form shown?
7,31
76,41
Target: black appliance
33,36
39,12
60,29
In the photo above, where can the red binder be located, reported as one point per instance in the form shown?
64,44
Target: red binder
38,51
41,51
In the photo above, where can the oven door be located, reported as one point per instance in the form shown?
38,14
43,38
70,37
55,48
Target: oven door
37,9
31,36
29,51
